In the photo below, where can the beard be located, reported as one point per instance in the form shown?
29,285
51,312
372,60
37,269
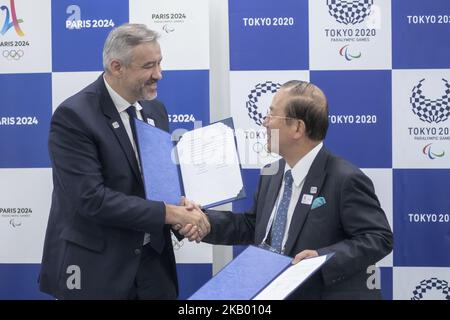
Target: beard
147,91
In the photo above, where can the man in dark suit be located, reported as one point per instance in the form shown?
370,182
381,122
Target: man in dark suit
313,203
104,240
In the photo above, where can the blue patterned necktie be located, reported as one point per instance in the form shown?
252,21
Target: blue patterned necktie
279,224
131,110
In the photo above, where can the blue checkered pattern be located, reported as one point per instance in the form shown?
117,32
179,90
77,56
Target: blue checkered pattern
430,110
349,12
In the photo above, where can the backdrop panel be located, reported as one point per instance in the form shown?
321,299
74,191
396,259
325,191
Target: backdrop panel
384,66
49,50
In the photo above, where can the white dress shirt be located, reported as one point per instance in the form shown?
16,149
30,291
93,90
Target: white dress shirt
299,172
122,105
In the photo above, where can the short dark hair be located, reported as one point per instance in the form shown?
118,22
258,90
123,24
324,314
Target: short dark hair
308,103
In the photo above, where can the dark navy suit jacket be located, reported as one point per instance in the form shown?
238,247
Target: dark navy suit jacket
99,214
351,224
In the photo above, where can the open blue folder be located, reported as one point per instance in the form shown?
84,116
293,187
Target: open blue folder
159,170
245,276
259,274
163,178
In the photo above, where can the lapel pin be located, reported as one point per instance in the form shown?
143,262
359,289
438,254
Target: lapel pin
150,121
115,125
313,190
307,199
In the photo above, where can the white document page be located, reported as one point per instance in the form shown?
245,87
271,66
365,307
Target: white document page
209,164
290,279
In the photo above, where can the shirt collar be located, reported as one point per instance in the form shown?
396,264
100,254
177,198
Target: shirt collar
301,168
120,103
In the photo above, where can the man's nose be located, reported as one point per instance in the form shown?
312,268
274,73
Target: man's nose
157,74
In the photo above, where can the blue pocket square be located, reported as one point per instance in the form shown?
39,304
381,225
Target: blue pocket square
319,201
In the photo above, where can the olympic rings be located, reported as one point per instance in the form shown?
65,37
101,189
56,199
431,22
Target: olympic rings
13,54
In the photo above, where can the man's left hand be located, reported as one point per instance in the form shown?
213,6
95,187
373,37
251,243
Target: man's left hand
304,255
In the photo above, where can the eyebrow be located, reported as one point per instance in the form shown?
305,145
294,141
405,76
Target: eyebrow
151,62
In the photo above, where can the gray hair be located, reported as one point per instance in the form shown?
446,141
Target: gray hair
122,39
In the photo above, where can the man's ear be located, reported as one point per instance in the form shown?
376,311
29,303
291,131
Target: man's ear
116,68
300,129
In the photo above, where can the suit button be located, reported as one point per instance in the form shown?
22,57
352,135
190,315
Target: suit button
137,251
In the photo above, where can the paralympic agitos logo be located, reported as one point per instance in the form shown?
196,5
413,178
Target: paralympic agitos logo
345,52
430,154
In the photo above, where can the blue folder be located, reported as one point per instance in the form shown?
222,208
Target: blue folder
159,171
245,276
158,156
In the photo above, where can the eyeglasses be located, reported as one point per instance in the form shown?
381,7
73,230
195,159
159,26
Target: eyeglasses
269,116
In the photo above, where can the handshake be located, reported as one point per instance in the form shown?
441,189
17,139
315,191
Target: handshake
188,219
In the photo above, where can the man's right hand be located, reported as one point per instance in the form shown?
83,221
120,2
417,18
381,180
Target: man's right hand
193,220
189,231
